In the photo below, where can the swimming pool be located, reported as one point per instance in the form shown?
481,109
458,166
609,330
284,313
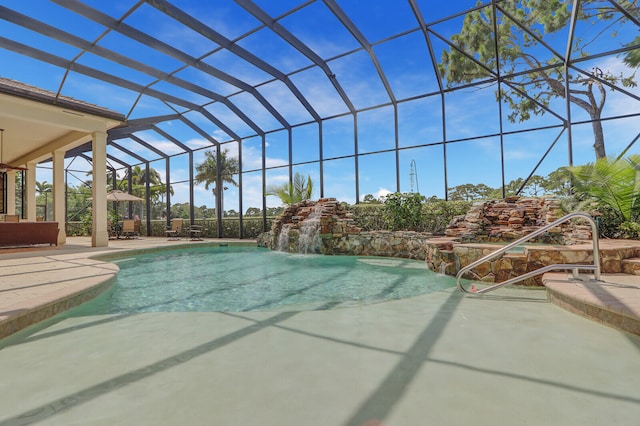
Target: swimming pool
236,278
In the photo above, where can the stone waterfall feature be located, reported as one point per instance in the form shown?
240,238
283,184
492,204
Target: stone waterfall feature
327,227
310,227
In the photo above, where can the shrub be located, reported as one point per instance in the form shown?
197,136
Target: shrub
629,230
434,217
437,214
403,211
368,217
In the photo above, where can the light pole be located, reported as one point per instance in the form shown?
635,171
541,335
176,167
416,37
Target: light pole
414,173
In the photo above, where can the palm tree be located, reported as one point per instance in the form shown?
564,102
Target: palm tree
139,179
615,183
300,189
43,189
207,173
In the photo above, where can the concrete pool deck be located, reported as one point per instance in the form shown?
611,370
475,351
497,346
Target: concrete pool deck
440,358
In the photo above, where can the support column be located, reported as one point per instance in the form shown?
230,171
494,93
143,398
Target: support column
30,192
59,208
11,192
99,235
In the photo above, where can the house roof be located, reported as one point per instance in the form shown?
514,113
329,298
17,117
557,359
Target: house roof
26,91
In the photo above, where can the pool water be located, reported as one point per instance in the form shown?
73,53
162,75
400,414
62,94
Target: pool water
239,278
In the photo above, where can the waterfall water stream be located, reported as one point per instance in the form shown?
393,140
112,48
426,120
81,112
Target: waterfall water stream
283,238
309,240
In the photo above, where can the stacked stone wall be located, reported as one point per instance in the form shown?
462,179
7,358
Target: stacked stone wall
467,240
512,218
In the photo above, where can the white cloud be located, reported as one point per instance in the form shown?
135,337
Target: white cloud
382,192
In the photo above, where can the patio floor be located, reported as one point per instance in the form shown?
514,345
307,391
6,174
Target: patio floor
440,358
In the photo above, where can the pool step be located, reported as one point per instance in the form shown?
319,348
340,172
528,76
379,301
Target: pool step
611,301
631,266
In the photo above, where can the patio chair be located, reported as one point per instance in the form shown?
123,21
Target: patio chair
129,229
174,231
195,232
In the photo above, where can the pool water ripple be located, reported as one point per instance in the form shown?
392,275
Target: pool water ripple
239,278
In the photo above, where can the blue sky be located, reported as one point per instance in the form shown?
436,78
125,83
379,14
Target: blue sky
404,61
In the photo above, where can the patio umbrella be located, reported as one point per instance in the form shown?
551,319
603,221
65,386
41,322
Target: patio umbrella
122,196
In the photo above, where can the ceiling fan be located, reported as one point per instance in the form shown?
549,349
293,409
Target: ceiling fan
5,167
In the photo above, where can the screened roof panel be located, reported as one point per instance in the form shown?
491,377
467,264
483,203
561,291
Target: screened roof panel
115,152
113,8
606,27
272,49
468,59
231,120
407,65
97,92
436,10
316,86
473,73
225,17
237,67
148,106
159,142
126,46
277,8
183,133
524,89
254,109
279,95
485,113
360,79
533,50
32,71
116,69
170,31
37,42
56,16
380,19
136,148
319,29
207,81
183,94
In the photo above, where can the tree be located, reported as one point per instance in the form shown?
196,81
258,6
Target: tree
43,189
139,179
613,183
253,211
300,189
207,173
558,183
370,199
470,192
530,92
632,58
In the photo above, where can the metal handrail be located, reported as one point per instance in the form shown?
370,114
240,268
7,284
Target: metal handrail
594,267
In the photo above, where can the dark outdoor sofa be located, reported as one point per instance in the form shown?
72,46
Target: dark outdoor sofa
28,233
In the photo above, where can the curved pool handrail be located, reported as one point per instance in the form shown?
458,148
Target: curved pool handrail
594,267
